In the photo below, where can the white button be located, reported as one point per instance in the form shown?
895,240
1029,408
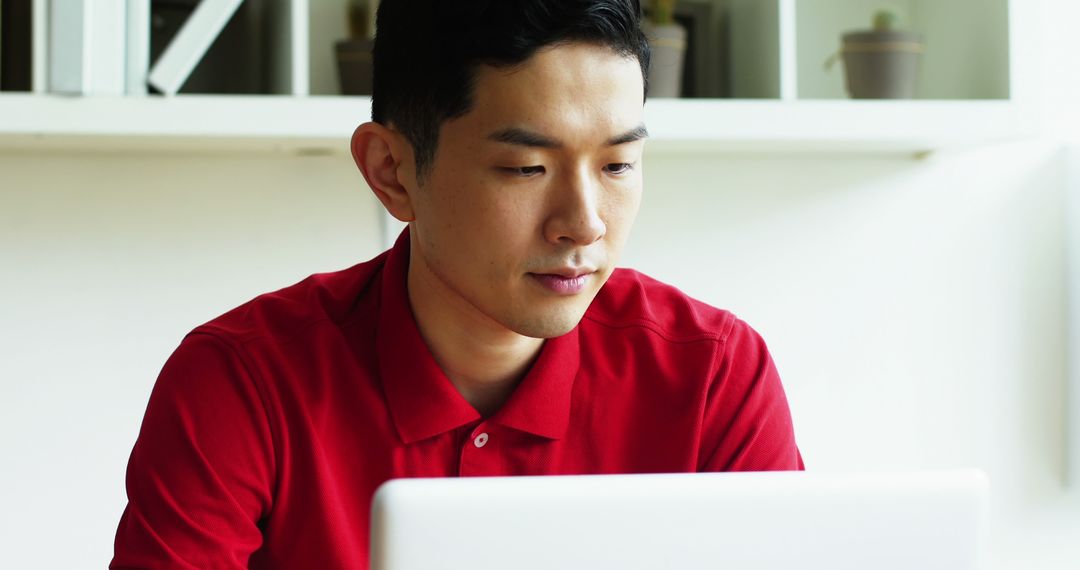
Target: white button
481,440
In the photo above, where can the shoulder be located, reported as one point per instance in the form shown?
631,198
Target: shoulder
631,299
333,297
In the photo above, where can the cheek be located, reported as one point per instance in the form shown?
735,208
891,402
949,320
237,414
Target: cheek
516,214
454,205
505,213
488,225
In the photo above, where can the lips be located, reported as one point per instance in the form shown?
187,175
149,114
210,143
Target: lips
564,281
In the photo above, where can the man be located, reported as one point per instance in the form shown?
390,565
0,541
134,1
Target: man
495,338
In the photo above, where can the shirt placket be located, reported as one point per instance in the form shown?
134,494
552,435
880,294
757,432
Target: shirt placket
479,451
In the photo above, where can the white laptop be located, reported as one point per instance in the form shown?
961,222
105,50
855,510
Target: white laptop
742,521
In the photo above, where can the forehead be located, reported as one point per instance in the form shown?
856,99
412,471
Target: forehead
571,90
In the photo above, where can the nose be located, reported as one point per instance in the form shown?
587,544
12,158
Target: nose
575,216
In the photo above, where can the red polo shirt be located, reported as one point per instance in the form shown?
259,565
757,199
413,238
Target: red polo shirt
271,426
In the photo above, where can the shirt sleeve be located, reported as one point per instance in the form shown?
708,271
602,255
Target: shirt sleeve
747,424
201,474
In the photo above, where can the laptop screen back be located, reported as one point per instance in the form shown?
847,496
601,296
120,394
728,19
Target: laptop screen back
748,521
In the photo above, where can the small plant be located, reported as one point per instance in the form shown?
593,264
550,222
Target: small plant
358,12
885,20
663,12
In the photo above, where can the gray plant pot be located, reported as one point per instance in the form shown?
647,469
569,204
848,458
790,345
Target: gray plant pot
882,64
355,66
668,45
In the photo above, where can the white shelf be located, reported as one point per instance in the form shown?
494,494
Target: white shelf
834,127
210,123
322,125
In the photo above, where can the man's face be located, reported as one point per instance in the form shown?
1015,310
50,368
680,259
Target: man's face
532,193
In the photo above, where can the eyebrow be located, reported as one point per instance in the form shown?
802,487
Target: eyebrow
524,137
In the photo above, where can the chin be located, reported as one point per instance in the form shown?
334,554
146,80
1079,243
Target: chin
548,325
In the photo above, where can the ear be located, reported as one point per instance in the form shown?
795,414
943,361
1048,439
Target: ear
379,154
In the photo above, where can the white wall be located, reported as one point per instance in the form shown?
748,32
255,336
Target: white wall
915,309
105,263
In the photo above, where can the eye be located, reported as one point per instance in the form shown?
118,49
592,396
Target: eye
525,171
619,167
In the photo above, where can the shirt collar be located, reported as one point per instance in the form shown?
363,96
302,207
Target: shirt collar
422,400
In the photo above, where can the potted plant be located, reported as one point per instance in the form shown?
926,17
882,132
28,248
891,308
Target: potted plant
667,41
883,62
355,64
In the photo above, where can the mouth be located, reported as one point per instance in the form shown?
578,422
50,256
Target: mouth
564,281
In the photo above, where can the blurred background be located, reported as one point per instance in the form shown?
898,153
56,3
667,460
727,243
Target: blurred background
894,219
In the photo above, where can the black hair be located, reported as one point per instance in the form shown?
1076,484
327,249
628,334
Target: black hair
427,51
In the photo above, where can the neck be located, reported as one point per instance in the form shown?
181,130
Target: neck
483,359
